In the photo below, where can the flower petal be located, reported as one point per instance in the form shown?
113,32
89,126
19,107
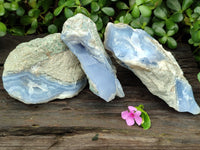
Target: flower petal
130,121
138,113
124,114
132,109
138,120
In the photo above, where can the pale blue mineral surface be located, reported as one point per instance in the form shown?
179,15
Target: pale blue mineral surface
42,70
80,35
157,68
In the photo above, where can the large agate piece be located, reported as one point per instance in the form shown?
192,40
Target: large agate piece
80,35
42,70
157,68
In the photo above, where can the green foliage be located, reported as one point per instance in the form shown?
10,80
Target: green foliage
161,19
146,121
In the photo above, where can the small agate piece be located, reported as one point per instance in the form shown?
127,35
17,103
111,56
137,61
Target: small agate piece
156,68
42,70
80,35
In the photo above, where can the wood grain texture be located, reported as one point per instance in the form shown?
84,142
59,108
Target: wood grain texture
72,123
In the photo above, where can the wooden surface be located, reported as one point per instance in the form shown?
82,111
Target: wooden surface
87,122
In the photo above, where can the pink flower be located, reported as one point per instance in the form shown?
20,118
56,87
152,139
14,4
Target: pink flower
132,116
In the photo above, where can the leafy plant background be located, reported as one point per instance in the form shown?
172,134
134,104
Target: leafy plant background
166,20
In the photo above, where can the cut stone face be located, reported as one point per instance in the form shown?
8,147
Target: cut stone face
42,70
80,35
157,68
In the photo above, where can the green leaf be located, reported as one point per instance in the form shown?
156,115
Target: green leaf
61,2
99,24
160,24
131,3
84,11
85,2
136,23
145,11
17,31
163,40
58,10
135,12
2,29
1,1
20,11
95,6
52,28
190,41
26,20
77,2
2,10
94,17
146,124
102,3
196,36
171,43
121,5
14,6
189,12
177,17
34,24
7,6
149,30
171,32
144,20
105,20
196,25
68,13
108,11
121,19
170,25
161,12
186,4
197,10
198,76
160,32
45,4
31,31
69,3
48,17
32,3
139,2
174,5
34,13
128,18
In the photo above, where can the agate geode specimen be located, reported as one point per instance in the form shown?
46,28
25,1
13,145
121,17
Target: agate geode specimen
80,35
42,70
157,68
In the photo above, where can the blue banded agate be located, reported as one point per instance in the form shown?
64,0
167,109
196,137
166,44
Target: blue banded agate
156,68
80,35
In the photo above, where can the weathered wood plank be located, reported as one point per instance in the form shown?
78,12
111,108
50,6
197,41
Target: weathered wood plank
72,123
105,140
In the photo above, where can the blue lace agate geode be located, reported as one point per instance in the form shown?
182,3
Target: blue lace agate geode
42,70
80,35
157,68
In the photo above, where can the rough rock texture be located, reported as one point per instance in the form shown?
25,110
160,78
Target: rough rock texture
42,70
157,68
80,35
